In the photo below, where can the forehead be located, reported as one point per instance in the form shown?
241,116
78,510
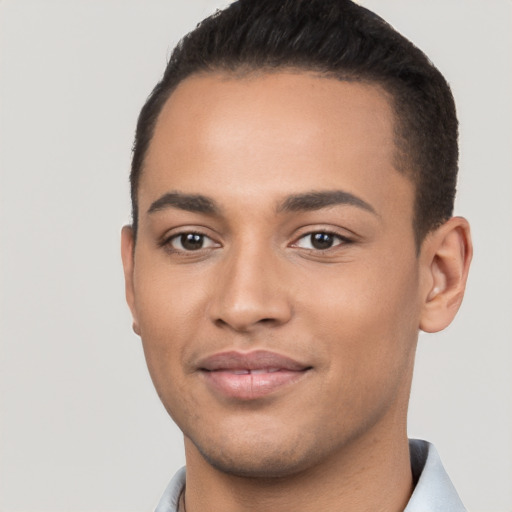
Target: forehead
280,132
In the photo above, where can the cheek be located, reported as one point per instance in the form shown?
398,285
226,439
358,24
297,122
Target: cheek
167,299
166,326
370,314
167,308
367,333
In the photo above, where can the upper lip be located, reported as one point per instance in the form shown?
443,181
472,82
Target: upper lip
255,360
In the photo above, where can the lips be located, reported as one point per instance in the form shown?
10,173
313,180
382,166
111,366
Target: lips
252,375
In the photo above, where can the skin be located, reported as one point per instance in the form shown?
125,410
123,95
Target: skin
336,438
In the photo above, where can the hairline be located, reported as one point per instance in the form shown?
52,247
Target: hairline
403,161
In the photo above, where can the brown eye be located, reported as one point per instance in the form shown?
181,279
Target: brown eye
191,242
320,241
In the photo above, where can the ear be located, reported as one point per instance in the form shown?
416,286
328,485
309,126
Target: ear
127,255
445,257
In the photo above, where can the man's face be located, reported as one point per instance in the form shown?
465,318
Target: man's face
275,282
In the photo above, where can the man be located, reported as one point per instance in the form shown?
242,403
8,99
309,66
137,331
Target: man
292,182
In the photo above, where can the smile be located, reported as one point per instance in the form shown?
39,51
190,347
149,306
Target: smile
249,376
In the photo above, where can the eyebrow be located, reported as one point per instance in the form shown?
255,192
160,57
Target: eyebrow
323,199
190,202
308,201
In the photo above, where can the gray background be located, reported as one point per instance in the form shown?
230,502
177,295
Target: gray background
81,428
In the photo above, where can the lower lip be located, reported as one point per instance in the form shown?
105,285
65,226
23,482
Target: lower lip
251,386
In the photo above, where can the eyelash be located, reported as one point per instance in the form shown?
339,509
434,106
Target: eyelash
167,243
342,240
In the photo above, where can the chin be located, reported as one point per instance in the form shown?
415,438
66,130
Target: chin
258,459
262,467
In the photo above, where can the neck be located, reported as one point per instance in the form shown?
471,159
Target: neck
374,473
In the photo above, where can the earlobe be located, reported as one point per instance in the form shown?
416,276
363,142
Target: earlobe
127,255
446,256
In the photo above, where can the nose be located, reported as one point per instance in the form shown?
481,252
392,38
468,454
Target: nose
251,292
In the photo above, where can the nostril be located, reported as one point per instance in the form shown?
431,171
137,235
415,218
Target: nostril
220,323
243,309
241,323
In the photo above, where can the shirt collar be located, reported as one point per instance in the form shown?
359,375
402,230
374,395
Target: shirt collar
433,492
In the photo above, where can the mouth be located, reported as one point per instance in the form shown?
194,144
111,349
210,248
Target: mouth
252,375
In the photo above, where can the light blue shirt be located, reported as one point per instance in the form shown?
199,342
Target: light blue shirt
434,491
